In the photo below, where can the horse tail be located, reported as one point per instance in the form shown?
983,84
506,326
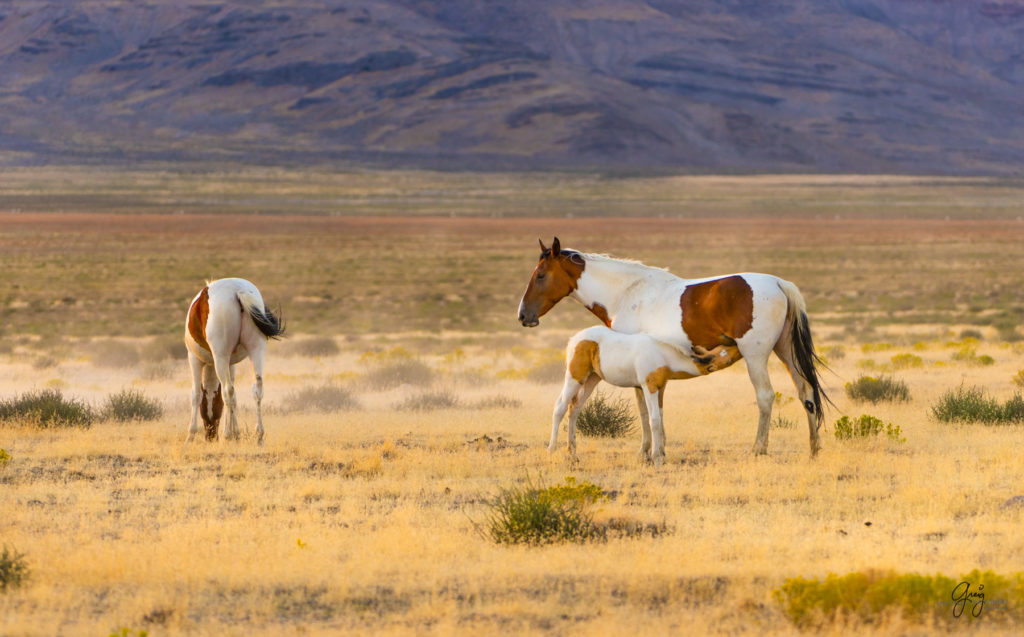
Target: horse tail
806,359
270,324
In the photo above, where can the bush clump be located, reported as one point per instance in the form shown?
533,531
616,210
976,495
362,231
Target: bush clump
47,408
866,426
875,390
314,347
811,603
971,404
534,514
402,372
602,417
324,399
13,569
131,404
429,401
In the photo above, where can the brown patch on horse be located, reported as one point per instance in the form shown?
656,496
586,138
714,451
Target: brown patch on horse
601,312
712,360
197,315
586,359
211,410
717,312
657,379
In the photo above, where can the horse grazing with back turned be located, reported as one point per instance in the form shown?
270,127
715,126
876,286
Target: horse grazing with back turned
741,315
226,322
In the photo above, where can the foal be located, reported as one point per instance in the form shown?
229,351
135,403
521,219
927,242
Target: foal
628,360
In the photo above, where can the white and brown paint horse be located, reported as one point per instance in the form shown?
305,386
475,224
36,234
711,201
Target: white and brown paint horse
749,315
624,360
226,322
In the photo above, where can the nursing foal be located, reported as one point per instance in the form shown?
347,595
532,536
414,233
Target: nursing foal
628,360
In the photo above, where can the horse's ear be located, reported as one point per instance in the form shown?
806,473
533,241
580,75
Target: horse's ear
543,248
556,248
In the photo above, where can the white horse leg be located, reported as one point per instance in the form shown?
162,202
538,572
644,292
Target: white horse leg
645,426
257,391
757,369
567,397
574,412
222,365
657,427
196,366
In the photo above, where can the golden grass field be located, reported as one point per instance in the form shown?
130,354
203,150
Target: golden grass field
364,520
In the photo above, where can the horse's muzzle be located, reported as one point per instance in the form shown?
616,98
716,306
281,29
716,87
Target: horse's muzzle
532,321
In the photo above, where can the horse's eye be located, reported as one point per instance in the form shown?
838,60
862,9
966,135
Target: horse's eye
540,275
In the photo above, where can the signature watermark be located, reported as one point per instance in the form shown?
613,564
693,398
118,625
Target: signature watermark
972,600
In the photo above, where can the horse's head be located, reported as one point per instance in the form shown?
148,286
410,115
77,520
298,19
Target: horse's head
554,278
211,404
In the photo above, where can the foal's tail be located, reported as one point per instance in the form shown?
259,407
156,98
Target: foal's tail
272,326
806,359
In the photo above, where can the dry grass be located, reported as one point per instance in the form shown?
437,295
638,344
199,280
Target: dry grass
364,520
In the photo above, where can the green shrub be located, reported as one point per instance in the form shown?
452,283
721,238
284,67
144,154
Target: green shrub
972,334
906,361
876,390
543,515
324,399
13,569
5,458
811,603
971,404
47,408
429,401
866,426
602,417
131,404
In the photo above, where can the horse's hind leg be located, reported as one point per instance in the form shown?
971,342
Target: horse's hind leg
226,376
645,425
757,369
804,391
257,390
196,367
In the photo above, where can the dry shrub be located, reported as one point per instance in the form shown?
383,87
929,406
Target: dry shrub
429,401
131,404
603,417
498,402
324,399
876,390
313,347
14,569
164,348
47,408
394,368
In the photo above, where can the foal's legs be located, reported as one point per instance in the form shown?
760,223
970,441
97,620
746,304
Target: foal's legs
196,366
574,411
568,396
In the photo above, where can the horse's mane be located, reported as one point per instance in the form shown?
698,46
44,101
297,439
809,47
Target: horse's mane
616,260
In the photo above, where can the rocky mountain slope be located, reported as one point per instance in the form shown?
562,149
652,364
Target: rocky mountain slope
920,86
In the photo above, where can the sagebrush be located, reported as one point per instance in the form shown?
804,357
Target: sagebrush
604,417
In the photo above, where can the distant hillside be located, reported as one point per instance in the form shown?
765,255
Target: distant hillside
919,86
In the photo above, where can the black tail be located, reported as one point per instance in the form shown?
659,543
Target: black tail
272,326
807,362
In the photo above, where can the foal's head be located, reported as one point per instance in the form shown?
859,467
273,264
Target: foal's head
554,278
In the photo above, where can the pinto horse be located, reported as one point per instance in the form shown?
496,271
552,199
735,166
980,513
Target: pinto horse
226,322
735,316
